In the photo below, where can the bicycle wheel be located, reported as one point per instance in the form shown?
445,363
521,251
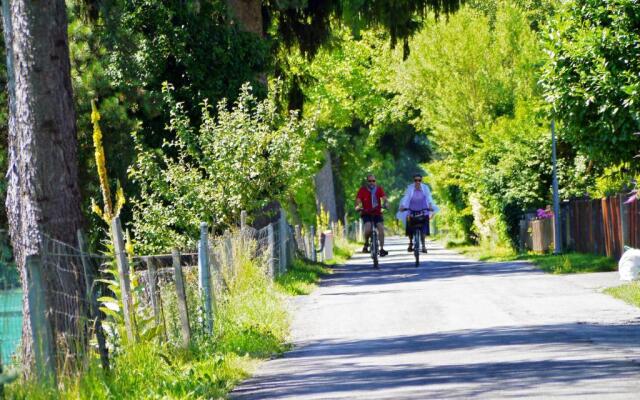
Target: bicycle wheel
416,245
374,247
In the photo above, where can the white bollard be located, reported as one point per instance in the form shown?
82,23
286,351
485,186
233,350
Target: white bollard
327,252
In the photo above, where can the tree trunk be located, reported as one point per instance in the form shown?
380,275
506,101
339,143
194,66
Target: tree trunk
325,190
248,13
43,195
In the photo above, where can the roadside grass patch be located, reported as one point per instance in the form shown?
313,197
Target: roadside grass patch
342,251
629,293
569,263
572,263
301,278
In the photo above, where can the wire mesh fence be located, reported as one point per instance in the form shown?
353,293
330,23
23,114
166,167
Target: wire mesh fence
84,305
10,321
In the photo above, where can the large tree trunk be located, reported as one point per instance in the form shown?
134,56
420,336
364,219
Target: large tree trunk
325,190
43,196
248,13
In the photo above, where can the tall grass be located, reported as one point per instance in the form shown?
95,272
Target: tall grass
251,323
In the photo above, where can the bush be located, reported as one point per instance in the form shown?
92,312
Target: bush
242,159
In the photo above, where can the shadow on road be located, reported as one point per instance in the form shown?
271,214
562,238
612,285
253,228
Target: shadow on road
313,377
463,381
610,335
398,266
523,360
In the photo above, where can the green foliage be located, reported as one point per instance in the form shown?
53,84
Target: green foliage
251,324
301,277
570,263
9,276
308,24
592,77
239,159
347,86
475,85
122,51
629,293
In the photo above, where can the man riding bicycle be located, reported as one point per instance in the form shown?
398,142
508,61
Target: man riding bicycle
370,201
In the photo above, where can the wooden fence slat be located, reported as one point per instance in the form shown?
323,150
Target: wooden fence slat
43,343
123,272
204,274
183,310
151,284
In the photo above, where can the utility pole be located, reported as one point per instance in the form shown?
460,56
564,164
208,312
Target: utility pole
556,196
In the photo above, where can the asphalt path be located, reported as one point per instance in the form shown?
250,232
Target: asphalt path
455,328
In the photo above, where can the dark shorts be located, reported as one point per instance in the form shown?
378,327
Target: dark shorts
376,219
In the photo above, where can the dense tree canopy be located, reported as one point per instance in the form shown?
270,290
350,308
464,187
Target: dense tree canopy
591,76
468,100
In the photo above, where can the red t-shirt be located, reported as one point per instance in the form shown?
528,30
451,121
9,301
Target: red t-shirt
364,194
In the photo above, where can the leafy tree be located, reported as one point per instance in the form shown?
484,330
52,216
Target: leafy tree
308,23
592,77
122,51
475,84
240,158
347,88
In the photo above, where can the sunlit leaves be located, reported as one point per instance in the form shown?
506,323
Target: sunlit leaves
592,76
240,158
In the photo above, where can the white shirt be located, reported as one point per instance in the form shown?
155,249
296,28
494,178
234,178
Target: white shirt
408,194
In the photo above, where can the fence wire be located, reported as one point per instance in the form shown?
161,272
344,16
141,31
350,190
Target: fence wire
11,302
166,297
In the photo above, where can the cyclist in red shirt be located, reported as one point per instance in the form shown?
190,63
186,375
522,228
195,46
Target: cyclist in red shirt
370,201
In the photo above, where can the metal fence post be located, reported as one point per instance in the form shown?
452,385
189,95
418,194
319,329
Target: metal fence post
283,242
228,251
43,344
291,248
182,299
313,244
123,271
272,251
624,222
298,237
346,226
243,220
204,274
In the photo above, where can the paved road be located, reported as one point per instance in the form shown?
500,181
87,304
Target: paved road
455,329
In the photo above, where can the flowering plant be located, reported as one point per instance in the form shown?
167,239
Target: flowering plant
544,214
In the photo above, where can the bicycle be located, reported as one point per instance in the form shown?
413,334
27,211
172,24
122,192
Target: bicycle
417,220
375,243
374,246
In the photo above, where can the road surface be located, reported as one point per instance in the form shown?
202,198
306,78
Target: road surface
455,329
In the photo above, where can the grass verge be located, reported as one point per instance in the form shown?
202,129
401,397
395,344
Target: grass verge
301,278
629,292
251,325
342,251
569,263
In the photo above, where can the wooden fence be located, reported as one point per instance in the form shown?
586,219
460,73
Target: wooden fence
597,226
